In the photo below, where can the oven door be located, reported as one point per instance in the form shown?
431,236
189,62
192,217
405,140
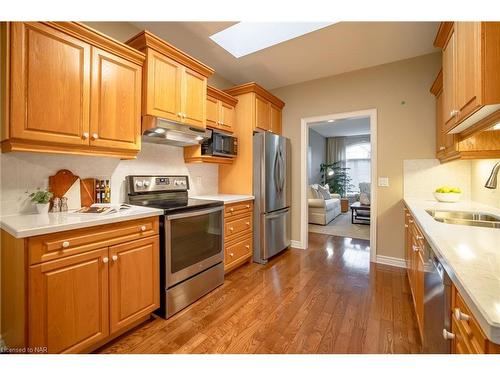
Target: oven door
194,242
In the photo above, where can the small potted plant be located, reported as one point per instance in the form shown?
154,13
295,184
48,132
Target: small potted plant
42,199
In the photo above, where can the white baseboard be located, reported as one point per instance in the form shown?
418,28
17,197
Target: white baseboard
297,245
390,261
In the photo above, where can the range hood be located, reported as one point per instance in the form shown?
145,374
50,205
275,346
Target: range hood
159,130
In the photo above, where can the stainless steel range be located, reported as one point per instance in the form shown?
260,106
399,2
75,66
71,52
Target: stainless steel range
191,239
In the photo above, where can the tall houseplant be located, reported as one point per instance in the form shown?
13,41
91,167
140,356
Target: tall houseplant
337,177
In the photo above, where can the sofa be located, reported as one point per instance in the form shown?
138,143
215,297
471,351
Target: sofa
322,210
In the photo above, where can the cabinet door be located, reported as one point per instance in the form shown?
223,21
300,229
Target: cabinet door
440,145
226,117
449,80
275,119
133,281
68,302
262,113
163,86
115,120
194,98
468,55
212,112
50,85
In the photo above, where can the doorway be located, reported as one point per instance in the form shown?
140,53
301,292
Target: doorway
359,130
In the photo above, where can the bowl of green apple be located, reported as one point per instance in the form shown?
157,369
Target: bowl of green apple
448,194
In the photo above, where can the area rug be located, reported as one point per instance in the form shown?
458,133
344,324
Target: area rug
341,226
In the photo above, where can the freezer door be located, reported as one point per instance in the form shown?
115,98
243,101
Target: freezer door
275,233
275,173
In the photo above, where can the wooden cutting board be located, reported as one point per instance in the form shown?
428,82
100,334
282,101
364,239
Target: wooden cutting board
63,180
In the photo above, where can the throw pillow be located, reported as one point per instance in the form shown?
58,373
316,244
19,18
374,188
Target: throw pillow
314,191
364,198
324,192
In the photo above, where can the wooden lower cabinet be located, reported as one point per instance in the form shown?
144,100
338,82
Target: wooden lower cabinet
77,301
133,281
68,303
238,234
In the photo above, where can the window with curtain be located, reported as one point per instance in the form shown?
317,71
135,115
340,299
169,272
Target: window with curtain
358,159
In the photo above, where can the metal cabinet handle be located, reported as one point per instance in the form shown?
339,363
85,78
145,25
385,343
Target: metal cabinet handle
95,136
459,315
179,114
231,229
143,228
406,225
415,248
247,223
105,260
184,115
85,135
231,209
410,221
115,258
231,254
248,206
65,244
442,148
419,237
448,335
247,246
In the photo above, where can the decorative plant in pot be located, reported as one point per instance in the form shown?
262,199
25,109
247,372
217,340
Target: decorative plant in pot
337,177
42,199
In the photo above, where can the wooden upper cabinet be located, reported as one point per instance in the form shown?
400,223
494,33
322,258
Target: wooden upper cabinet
262,113
212,112
68,82
471,83
50,92
134,281
275,125
468,65
162,82
116,102
449,81
193,98
175,84
220,110
263,108
68,302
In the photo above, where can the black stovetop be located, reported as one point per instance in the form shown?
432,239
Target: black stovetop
171,206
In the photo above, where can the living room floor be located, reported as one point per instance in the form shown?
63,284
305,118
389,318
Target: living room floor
342,226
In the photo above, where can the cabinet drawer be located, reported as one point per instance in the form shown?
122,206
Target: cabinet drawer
239,208
237,227
470,328
238,251
57,245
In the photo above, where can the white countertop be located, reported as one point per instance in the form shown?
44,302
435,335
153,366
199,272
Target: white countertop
471,257
226,198
27,225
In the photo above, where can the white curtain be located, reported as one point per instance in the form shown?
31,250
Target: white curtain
335,150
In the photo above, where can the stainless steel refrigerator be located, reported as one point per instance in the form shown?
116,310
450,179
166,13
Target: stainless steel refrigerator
271,188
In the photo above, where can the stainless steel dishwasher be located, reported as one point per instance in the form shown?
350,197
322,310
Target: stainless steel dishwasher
437,306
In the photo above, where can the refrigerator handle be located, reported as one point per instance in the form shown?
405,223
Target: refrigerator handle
276,175
282,172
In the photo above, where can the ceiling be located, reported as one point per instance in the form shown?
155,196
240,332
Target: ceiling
342,128
336,49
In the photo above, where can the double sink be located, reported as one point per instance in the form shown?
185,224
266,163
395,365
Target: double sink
474,219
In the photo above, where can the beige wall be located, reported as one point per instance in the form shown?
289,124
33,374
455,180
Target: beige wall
480,171
405,131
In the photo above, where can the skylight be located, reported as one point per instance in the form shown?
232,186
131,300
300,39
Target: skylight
244,38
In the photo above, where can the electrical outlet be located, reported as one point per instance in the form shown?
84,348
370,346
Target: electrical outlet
198,180
383,181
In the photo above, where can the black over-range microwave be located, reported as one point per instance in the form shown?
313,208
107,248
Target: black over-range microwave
220,144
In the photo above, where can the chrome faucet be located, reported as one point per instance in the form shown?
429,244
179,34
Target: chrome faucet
492,180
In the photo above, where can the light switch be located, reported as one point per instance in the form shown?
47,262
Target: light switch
383,181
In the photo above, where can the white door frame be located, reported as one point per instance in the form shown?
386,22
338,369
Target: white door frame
304,136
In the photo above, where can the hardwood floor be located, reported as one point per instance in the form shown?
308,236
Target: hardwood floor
326,299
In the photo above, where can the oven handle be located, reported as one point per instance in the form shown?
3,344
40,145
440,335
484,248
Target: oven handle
194,213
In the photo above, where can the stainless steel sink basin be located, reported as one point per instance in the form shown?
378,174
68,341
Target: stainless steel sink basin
474,219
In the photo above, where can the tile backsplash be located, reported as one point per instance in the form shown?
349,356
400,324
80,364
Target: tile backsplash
21,172
423,176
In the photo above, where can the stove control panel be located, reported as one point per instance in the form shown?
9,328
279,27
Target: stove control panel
144,184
